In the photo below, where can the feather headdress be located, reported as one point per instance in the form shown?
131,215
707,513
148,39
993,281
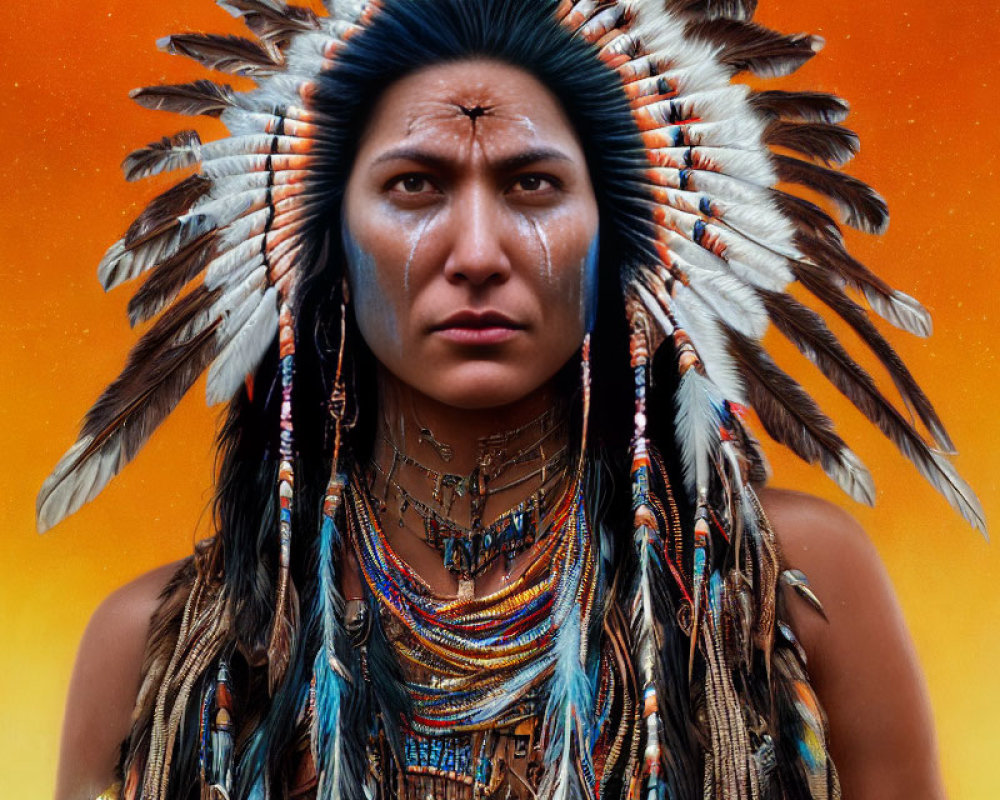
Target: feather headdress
719,237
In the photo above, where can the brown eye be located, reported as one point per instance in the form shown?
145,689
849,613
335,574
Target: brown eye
534,187
532,183
412,184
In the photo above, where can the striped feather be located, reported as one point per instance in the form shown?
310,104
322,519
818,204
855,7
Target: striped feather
820,284
199,97
160,369
860,205
171,152
792,418
233,55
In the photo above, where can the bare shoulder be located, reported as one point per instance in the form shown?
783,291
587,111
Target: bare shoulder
105,683
826,543
860,656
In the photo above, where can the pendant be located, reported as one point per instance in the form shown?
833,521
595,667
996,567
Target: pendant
466,588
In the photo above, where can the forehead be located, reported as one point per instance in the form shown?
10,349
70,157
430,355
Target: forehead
501,107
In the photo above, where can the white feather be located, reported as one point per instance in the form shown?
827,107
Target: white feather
697,422
701,325
223,268
654,307
243,352
731,299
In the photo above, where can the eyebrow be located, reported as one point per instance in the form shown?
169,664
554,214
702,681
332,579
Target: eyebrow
510,163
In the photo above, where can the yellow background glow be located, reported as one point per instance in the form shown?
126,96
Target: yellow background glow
924,83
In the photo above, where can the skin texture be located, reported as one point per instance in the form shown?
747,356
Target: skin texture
470,195
464,230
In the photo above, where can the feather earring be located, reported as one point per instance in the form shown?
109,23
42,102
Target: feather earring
331,679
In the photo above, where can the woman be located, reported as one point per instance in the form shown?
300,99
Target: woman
461,550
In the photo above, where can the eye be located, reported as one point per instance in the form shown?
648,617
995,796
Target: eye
411,184
533,184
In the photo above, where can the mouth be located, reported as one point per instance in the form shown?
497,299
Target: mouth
478,327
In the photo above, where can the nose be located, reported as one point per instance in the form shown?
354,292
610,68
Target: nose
477,254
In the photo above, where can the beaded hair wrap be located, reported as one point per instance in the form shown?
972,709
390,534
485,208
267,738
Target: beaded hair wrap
222,254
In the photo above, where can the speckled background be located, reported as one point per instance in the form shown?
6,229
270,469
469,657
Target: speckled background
924,81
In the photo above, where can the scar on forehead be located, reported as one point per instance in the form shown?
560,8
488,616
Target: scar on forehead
474,112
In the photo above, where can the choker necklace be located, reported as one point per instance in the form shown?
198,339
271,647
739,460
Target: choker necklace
470,550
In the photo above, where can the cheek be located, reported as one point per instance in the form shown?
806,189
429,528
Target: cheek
566,273
374,309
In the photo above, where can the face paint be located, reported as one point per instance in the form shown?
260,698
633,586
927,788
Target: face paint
375,317
418,234
588,284
544,243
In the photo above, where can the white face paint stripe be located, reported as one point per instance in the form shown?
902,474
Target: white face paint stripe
543,241
418,235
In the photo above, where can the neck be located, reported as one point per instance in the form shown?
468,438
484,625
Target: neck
503,454
428,430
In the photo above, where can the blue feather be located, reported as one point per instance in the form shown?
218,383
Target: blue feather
328,672
569,723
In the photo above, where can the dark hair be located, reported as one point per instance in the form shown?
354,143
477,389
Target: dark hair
402,37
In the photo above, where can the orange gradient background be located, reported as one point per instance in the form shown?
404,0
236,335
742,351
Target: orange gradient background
924,82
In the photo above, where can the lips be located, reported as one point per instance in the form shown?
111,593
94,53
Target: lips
478,327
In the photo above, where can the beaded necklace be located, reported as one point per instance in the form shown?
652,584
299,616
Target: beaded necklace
487,657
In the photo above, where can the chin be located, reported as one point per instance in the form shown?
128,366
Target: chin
481,385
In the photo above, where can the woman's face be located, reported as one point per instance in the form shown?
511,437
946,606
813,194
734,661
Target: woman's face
471,234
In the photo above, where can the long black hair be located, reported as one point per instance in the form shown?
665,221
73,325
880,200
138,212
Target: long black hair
402,37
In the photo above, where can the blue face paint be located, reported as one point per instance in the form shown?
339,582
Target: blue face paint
376,318
588,289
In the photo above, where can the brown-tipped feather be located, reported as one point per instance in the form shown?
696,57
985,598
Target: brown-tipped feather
159,371
170,153
157,358
196,98
792,418
272,22
862,207
809,218
163,210
233,55
831,144
168,279
801,106
789,415
817,281
746,47
836,257
808,332
714,9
